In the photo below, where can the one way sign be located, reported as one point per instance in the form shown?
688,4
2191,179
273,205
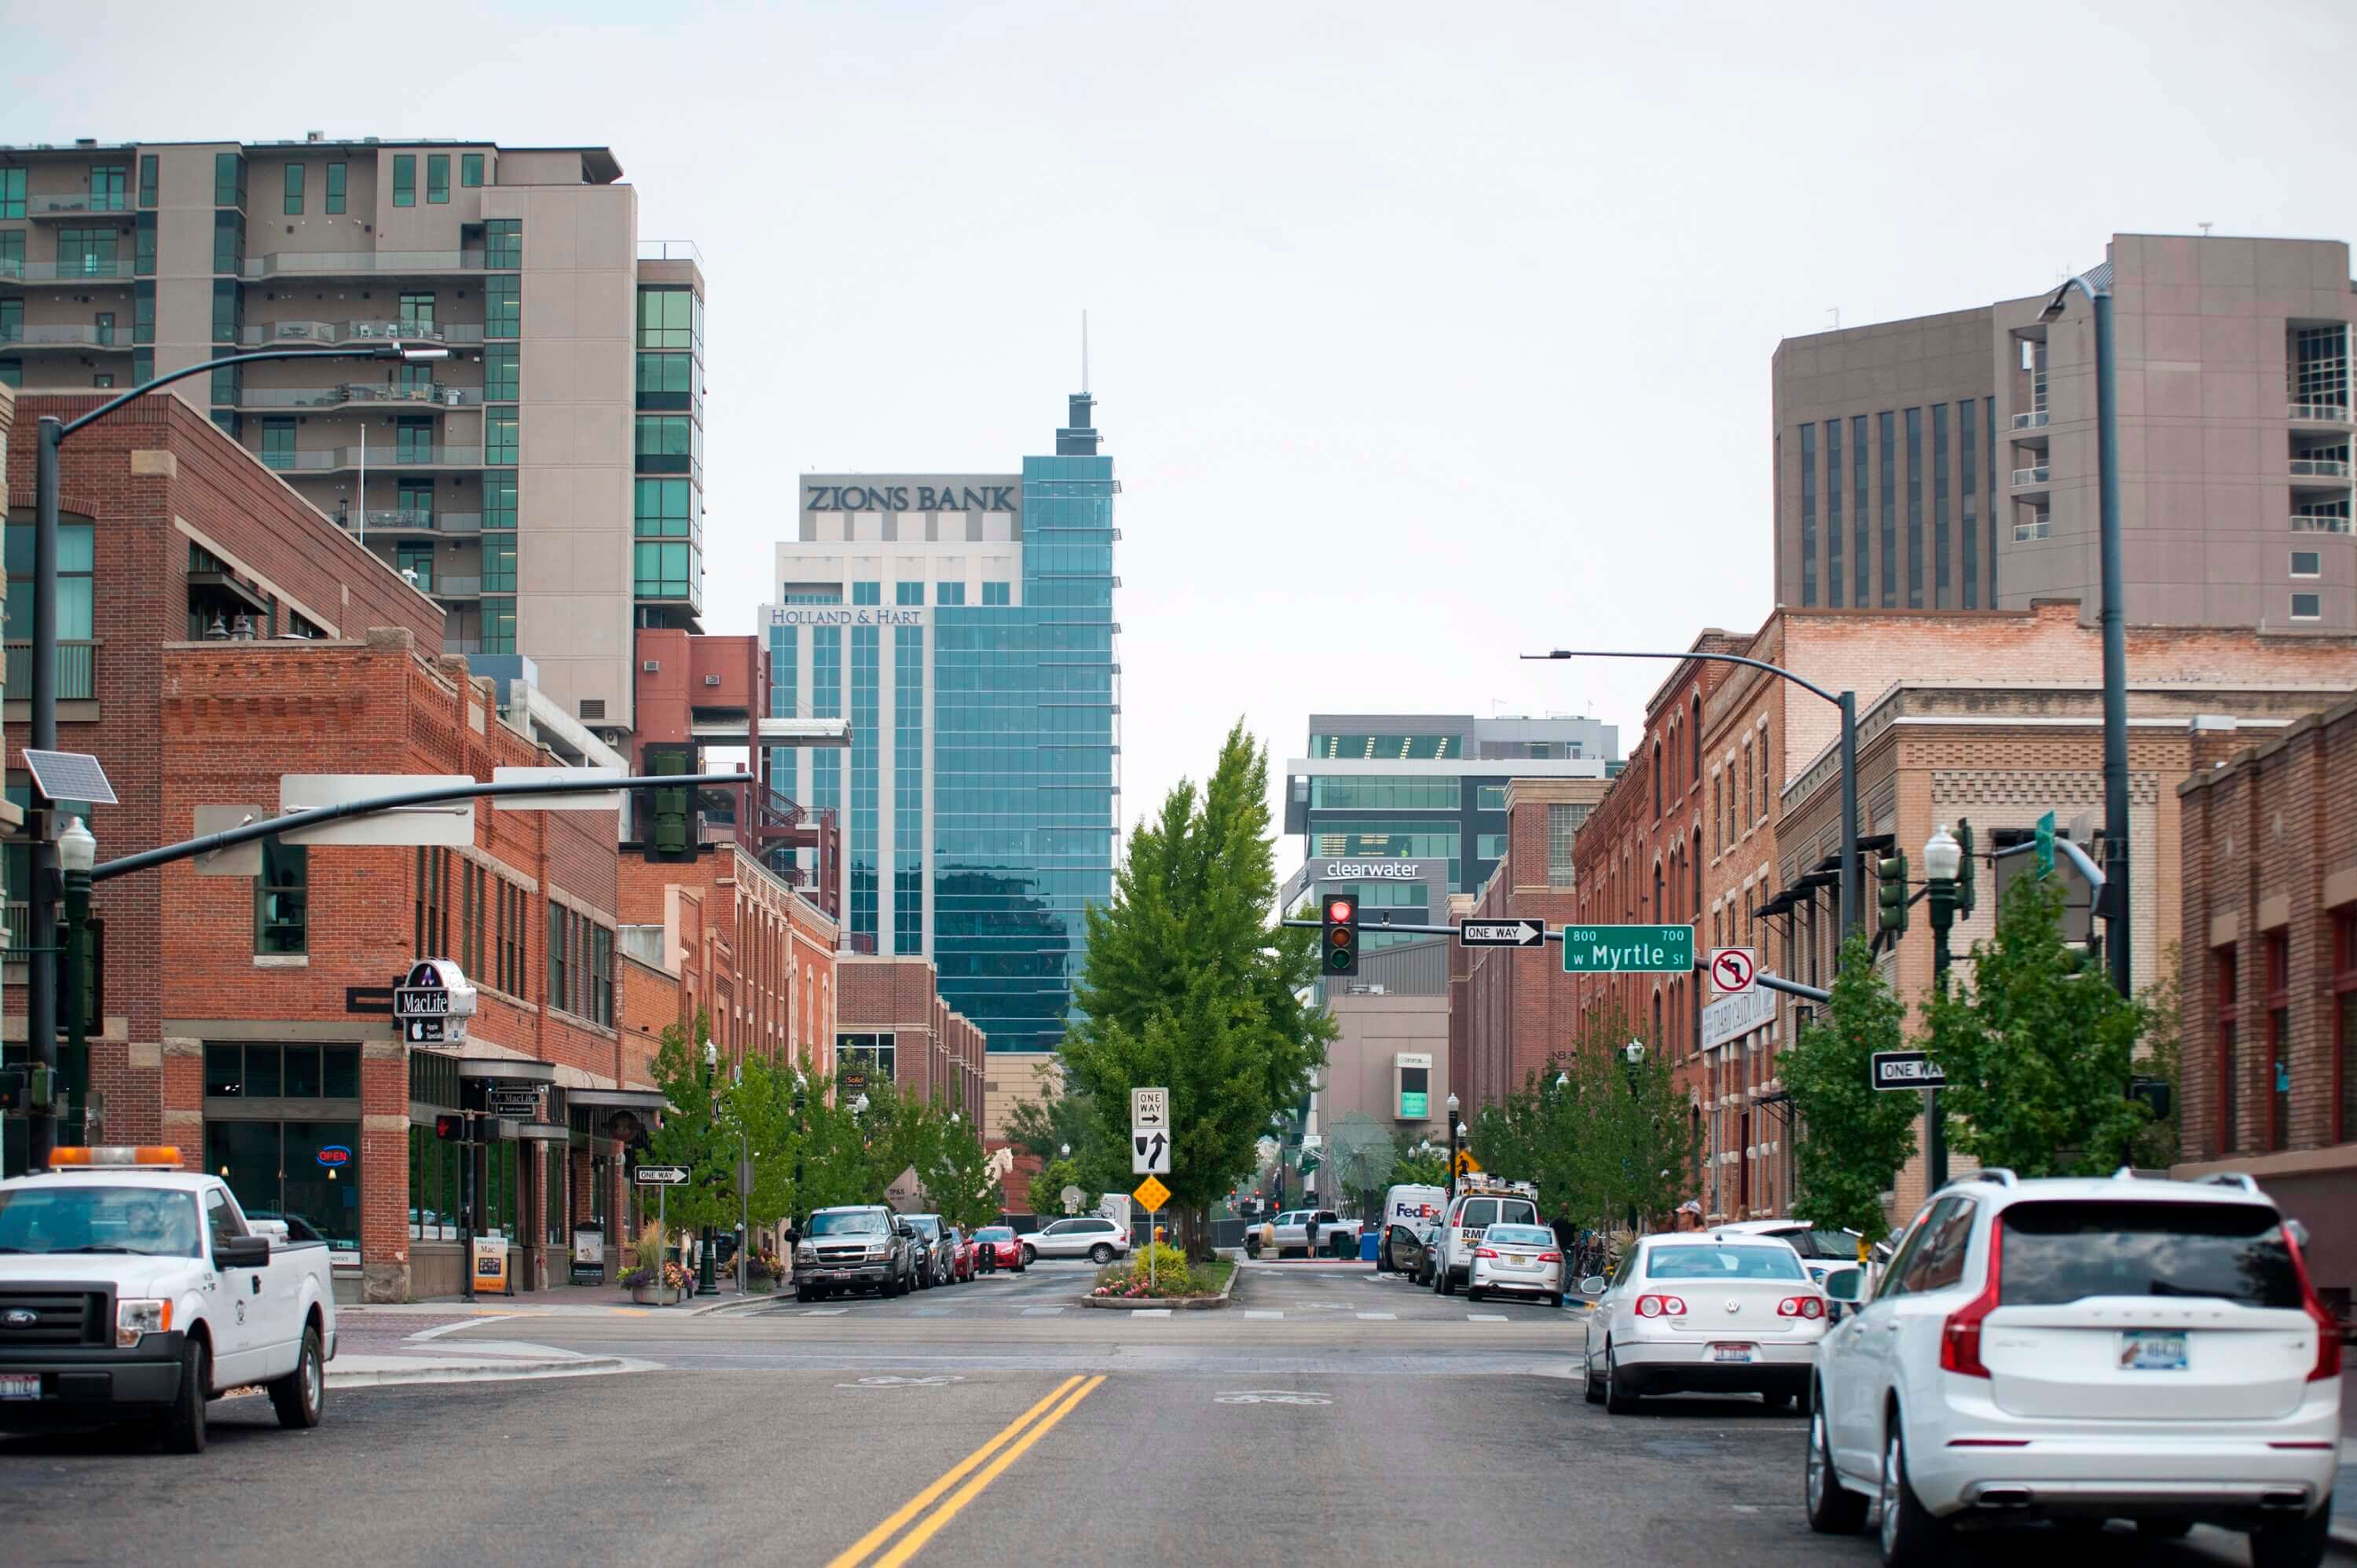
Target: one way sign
1517,933
1149,1151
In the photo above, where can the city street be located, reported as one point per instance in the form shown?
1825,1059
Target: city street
1325,1413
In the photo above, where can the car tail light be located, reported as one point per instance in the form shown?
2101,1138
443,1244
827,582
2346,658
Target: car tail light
1959,1337
2328,1330
1661,1306
1808,1307
1550,1257
1483,1253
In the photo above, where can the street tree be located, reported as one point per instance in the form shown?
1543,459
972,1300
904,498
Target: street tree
1048,1185
956,1175
2038,1049
1360,1152
1854,1138
691,1132
1190,983
1419,1167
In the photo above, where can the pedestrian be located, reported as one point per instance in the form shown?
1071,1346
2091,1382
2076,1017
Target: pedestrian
1690,1215
1309,1232
793,1239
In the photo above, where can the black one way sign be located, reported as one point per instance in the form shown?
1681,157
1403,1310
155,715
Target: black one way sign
1516,933
1906,1069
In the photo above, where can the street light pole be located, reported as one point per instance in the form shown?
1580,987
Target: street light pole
1943,858
1853,888
2113,614
706,1280
1455,1129
41,909
77,852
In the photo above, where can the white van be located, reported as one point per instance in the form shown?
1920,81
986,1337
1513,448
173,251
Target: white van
1412,1207
1475,1211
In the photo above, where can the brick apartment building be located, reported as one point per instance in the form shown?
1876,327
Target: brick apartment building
894,1026
2268,976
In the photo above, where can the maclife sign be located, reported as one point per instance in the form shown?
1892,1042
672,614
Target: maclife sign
1628,949
431,1002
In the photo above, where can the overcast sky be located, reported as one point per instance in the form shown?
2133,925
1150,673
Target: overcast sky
1424,334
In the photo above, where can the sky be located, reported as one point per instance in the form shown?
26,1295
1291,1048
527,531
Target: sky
1424,335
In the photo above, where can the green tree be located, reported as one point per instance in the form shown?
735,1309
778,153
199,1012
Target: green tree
1853,1137
1048,1185
1192,985
692,1134
2160,1056
1413,1167
2037,1051
956,1175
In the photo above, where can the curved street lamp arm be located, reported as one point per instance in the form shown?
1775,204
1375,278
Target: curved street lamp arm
386,351
1800,681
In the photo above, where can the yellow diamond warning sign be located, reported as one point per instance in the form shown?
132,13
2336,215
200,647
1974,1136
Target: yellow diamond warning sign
1152,1194
1466,1163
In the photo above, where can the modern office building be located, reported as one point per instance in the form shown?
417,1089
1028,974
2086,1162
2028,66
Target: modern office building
977,794
1949,462
1406,808
543,483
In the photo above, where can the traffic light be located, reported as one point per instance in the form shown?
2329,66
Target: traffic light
1339,938
1891,873
1965,893
13,1095
450,1126
664,811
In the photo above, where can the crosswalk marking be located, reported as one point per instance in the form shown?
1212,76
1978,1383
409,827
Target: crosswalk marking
824,1312
1151,1312
1486,1318
1379,1317
1042,1311
1263,1315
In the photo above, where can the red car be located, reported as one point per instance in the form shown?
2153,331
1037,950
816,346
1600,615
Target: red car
1000,1248
964,1254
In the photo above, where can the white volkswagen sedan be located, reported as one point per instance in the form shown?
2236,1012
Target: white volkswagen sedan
1703,1312
2085,1350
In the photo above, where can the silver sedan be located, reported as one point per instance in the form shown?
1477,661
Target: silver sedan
1522,1260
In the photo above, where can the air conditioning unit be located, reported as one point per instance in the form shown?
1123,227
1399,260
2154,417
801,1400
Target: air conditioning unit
712,680
650,666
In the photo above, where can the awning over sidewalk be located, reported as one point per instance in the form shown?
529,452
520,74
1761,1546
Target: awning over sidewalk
624,1099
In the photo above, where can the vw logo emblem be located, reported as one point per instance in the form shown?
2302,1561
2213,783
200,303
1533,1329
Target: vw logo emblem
1735,1306
19,1317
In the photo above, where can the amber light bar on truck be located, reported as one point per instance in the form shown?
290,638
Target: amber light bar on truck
115,1155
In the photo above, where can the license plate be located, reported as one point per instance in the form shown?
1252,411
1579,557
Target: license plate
1731,1352
20,1386
1518,1260
2143,1351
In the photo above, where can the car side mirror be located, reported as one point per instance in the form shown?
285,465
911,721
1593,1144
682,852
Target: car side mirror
1846,1285
242,1252
2298,1232
1594,1284
903,1229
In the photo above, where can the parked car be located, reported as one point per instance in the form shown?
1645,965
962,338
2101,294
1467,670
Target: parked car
855,1246
1821,1251
962,1253
936,1262
1517,1260
2085,1350
1412,1206
1289,1232
1702,1311
1410,1244
1090,1236
1002,1247
118,1273
1460,1228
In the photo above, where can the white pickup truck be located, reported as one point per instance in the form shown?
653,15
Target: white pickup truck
133,1290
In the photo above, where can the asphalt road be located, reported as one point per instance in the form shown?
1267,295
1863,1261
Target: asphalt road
1370,1423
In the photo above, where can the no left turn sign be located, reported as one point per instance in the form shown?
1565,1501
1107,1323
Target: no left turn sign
1732,970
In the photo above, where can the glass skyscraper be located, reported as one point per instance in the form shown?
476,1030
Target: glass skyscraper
979,819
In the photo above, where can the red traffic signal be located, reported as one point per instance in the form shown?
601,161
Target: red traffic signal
450,1126
1338,935
1341,910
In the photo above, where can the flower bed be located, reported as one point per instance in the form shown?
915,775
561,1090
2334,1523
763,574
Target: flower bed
1155,1273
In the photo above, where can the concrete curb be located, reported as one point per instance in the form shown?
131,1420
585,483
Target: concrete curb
426,1371
1177,1304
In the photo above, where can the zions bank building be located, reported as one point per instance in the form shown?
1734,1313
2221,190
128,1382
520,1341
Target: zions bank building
964,624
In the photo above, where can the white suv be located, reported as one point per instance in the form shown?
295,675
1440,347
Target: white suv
1091,1236
2087,1349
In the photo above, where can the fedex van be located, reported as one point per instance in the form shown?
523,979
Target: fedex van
1411,1208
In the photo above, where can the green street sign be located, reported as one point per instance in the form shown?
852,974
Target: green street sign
2044,839
1628,949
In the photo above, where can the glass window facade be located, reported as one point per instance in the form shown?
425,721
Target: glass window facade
1969,535
291,203
665,508
667,571
502,308
1886,441
471,170
1382,793
866,593
949,593
1914,508
1834,512
281,898
996,594
1808,515
1489,797
437,179
503,244
1940,505
502,436
12,192
229,179
1860,556
1387,747
404,180
334,195
909,785
908,592
860,850
671,318
669,444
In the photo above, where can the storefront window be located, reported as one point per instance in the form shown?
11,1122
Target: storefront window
308,1171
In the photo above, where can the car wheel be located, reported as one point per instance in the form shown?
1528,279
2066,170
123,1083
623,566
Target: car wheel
1778,1400
1473,1292
1834,1509
1912,1533
1620,1398
1591,1385
1556,1300
802,1294
2296,1543
182,1428
1447,1282
1383,1259
1030,1254
1100,1254
301,1394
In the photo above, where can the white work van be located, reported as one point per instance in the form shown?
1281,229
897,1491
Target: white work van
1410,1207
133,1290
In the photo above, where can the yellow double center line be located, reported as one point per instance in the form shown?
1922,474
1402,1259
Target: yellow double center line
1015,1437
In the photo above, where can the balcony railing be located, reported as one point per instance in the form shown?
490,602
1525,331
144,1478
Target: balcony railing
338,263
450,585
328,459
21,335
395,520
76,670
2037,476
2320,413
72,271
2320,467
359,331
2309,522
77,204
2034,420
435,396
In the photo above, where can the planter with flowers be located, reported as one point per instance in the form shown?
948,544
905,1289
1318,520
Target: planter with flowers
660,1286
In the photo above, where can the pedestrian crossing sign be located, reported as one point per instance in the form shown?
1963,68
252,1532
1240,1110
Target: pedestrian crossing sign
1466,1163
1152,1194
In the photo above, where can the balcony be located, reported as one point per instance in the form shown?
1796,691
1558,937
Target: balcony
2034,420
76,670
80,204
335,459
399,522
75,269
2309,522
2320,467
2031,479
65,338
359,331
450,585
434,396
2317,413
358,263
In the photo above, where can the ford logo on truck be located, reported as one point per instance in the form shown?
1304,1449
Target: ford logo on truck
19,1318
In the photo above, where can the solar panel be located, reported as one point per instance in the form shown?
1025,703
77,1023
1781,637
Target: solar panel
70,776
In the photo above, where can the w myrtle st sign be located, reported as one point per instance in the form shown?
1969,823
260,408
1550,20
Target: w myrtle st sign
1628,949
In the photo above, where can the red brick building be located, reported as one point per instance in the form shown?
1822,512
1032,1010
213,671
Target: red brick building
2268,977
893,1023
